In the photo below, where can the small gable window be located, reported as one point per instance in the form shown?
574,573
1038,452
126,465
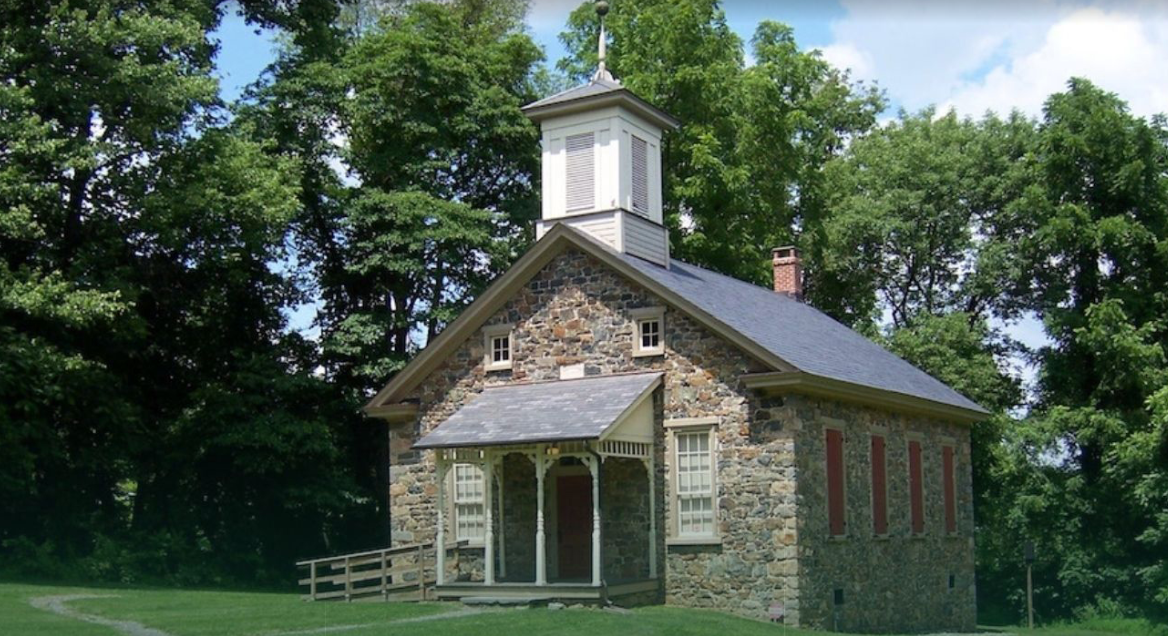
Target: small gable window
640,174
498,345
469,513
649,338
581,171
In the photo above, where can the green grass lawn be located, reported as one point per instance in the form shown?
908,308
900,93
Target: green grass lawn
210,613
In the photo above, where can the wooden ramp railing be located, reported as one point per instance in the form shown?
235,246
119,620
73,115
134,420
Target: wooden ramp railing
400,573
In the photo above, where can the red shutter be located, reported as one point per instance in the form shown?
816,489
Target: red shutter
879,487
916,487
950,489
835,481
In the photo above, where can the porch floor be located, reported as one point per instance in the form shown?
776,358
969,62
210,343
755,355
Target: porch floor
550,592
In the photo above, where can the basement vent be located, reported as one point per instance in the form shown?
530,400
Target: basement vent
581,174
640,176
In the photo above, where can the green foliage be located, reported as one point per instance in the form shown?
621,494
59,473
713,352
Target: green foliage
156,421
921,220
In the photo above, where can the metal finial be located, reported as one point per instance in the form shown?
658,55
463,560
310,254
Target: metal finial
601,69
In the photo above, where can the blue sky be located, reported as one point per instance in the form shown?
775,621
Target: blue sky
968,55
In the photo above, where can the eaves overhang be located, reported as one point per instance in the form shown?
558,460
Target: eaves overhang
780,382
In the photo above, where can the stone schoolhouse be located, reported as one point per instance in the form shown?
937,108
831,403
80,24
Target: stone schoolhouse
609,424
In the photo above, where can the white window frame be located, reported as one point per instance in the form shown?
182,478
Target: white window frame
707,426
642,317
460,502
490,336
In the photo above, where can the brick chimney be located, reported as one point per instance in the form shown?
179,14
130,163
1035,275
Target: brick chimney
788,262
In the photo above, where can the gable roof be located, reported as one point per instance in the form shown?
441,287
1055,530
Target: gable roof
581,409
600,91
800,334
789,337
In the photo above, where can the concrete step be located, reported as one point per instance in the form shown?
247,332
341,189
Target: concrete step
506,601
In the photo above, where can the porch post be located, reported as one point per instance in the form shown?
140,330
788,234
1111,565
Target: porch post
650,467
594,468
489,511
440,543
540,539
503,521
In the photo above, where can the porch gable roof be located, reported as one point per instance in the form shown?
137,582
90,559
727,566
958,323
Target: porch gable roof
565,410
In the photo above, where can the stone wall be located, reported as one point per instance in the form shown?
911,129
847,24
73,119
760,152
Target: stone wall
517,523
624,492
898,583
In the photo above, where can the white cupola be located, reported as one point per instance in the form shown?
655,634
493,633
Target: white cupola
602,165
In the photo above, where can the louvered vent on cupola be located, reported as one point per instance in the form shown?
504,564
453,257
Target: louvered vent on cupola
580,173
640,149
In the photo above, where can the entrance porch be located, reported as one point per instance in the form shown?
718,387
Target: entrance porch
572,511
572,521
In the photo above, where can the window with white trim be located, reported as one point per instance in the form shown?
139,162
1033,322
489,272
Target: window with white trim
469,513
693,456
498,345
580,178
649,339
640,174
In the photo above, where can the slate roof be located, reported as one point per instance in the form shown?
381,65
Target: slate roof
598,88
541,412
798,333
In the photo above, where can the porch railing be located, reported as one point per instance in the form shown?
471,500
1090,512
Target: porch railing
401,573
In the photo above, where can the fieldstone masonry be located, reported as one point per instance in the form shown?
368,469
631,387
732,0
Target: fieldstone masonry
771,499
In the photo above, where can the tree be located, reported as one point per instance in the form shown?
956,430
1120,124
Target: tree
1096,267
142,344
920,220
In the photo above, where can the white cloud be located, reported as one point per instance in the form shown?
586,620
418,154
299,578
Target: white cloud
1117,50
1002,55
847,56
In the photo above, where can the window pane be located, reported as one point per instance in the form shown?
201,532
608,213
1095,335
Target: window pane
695,484
650,334
468,498
500,349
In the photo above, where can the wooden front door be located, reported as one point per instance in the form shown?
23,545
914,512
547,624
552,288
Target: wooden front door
574,526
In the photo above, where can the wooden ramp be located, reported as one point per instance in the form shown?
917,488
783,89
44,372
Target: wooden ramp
404,573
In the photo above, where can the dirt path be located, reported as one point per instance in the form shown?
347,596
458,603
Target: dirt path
57,605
